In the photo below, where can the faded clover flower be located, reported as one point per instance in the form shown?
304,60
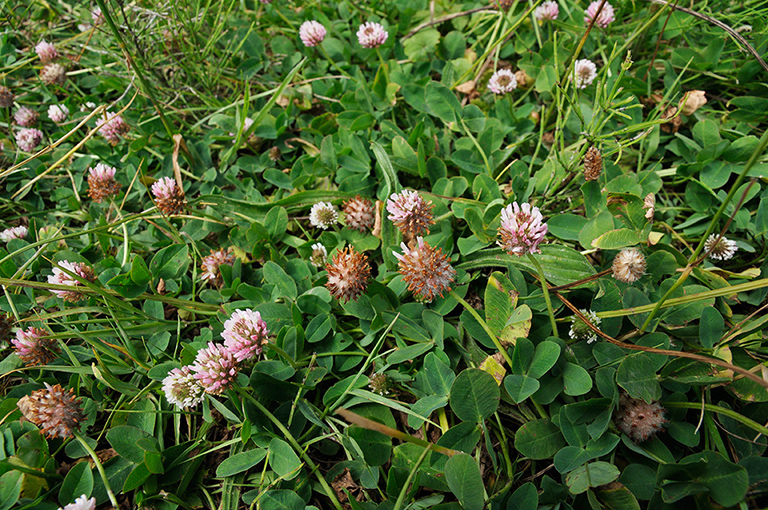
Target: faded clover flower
58,113
502,81
410,213
692,101
53,409
719,247
629,265
6,97
348,274
81,503
605,17
522,229
593,164
59,277
28,138
323,215
371,35
380,384
639,419
312,33
247,123
215,368
359,213
25,116
649,204
19,232
211,265
580,331
245,333
46,52
427,270
113,128
585,72
102,183
169,198
319,255
182,389
32,348
53,74
547,11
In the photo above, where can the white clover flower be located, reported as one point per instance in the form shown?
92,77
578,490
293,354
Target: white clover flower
323,215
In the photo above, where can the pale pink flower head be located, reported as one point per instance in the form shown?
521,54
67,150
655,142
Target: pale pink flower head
102,183
182,389
247,123
46,51
113,128
81,503
245,333
605,17
32,348
585,72
58,113
25,117
502,81
19,232
410,213
215,368
547,11
169,198
211,265
638,419
53,409
371,35
59,277
427,270
28,138
97,17
522,229
312,33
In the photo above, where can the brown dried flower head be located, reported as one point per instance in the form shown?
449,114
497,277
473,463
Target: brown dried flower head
53,409
692,101
503,5
32,348
6,97
359,213
639,419
102,183
629,265
348,274
410,213
427,270
593,164
169,197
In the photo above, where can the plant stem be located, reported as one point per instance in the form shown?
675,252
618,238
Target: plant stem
99,467
545,291
482,323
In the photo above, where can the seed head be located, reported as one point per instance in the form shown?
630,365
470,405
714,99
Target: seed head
113,128
81,503
6,97
58,113
102,183
502,81
580,331
410,213
46,51
311,33
169,198
182,389
28,138
605,17
629,265
371,35
639,419
323,215
245,333
53,409
215,368
719,247
593,164
319,255
19,232
211,265
59,277
427,270
32,348
585,72
53,74
359,213
547,11
522,229
348,274
380,384
25,117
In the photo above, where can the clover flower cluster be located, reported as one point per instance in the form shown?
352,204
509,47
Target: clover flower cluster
639,419
102,183
216,366
502,81
427,270
605,18
19,232
311,33
522,229
211,265
580,330
113,127
25,116
371,35
81,503
720,248
63,275
547,11
58,113
54,410
585,72
33,348
410,213
323,215
169,197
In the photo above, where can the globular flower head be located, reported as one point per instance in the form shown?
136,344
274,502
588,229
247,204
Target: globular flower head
639,419
53,74
593,164
502,81
32,348
182,389
28,138
323,215
245,333
719,247
113,127
380,383
102,183
215,368
605,17
25,116
319,255
547,11
81,503
211,265
629,265
410,213
6,97
371,35
58,113
46,51
348,274
59,277
19,232
359,213
522,229
427,270
584,72
169,198
580,331
311,33
53,409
